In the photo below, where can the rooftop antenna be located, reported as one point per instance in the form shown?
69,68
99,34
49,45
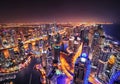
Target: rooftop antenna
54,23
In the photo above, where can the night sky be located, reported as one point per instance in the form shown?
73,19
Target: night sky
59,10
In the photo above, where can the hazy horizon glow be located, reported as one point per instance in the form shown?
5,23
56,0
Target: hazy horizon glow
59,11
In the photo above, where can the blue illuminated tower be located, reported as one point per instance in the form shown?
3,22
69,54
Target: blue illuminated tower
82,69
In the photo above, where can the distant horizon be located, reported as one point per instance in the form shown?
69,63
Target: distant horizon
61,20
57,22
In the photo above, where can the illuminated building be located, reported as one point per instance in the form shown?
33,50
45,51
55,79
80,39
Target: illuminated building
57,53
81,71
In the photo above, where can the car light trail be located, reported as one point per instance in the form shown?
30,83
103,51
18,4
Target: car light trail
66,67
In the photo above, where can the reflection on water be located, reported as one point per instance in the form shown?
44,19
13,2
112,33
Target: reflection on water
23,77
